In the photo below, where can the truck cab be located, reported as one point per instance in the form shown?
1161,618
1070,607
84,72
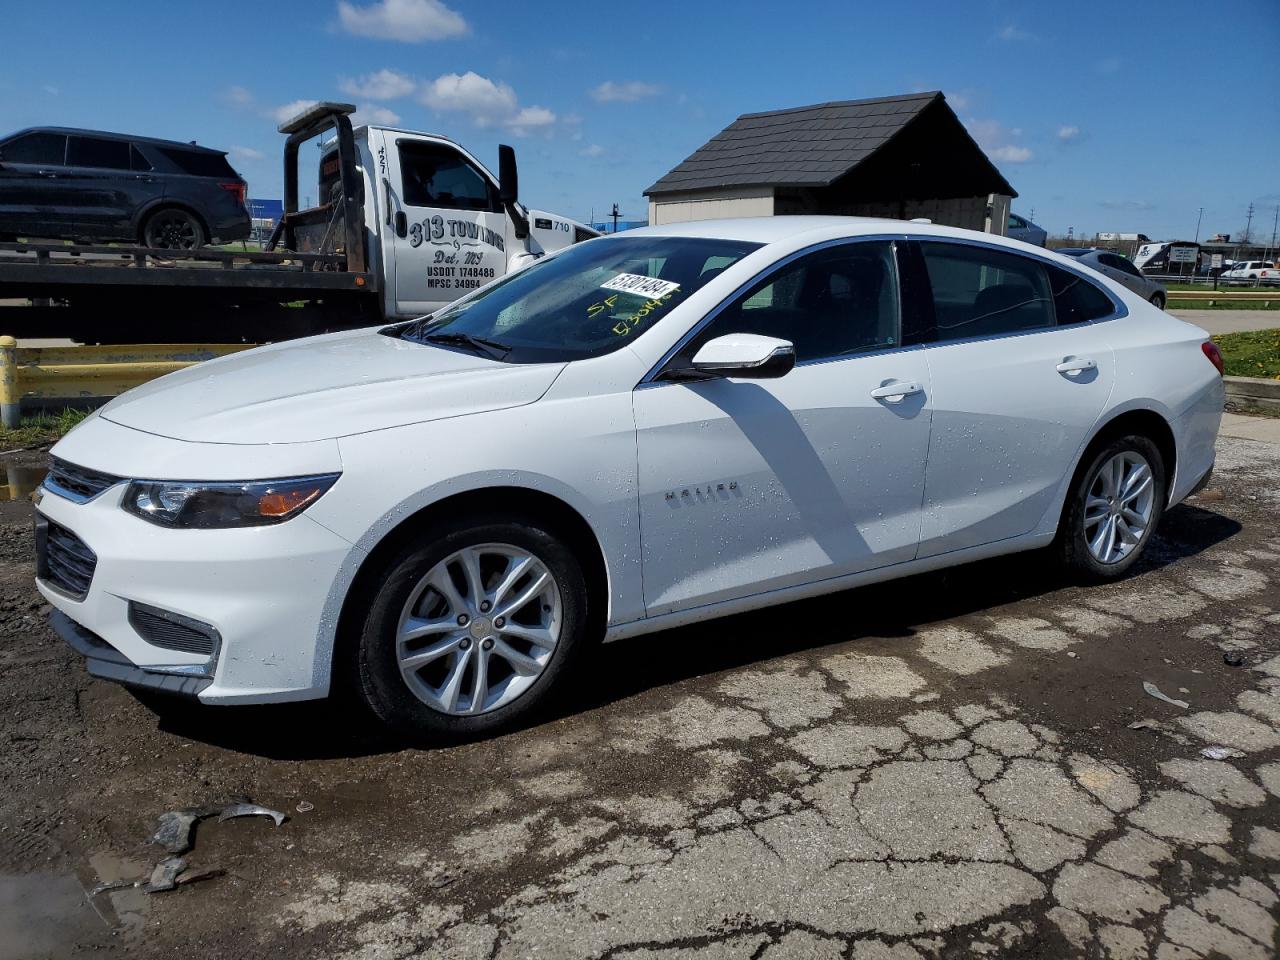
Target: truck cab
435,223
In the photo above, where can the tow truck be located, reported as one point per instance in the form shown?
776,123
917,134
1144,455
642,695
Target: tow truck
406,223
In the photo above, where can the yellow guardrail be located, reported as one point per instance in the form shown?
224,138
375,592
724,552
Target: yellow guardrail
51,376
1241,296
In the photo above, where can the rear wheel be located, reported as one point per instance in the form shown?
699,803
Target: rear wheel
173,229
472,629
1113,509
1158,300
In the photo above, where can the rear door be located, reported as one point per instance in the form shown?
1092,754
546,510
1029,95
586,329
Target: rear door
1019,378
31,201
447,230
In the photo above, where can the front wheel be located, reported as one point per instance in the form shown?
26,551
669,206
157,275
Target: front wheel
1113,508
1158,301
472,629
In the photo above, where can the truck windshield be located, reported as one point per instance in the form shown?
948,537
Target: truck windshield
585,302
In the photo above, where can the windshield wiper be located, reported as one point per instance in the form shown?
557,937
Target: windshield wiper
413,328
482,345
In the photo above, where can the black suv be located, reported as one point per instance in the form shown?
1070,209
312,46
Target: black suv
73,184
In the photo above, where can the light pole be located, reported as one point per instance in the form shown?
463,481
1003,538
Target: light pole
1198,219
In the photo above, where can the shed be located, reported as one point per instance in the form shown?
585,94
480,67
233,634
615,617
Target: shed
902,157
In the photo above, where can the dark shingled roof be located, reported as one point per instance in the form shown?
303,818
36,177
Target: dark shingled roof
802,147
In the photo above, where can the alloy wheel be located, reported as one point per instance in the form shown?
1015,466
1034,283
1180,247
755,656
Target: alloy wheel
174,231
1118,506
479,629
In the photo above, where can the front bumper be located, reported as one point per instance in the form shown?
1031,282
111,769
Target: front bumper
262,589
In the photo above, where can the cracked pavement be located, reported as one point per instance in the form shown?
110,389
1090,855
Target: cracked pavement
959,764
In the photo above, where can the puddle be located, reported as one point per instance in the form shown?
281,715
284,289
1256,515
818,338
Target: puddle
46,914
21,481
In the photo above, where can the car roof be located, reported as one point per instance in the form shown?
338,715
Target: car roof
107,134
1077,251
817,229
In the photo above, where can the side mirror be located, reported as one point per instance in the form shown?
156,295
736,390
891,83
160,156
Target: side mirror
508,176
509,190
747,356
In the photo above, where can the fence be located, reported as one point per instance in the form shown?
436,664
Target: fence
77,376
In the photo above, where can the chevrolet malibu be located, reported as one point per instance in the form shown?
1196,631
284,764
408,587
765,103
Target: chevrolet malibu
644,430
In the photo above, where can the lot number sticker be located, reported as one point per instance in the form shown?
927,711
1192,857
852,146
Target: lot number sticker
649,287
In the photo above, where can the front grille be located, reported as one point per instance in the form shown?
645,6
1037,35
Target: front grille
77,483
172,631
67,563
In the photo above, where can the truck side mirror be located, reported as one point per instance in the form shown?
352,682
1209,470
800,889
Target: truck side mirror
508,176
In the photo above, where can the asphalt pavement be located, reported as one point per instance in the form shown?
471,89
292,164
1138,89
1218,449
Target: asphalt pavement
1231,321
959,764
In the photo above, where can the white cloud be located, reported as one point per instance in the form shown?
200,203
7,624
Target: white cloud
409,21
1012,33
286,112
375,115
1109,65
383,85
530,119
239,96
1068,133
1134,205
997,140
488,103
593,152
1010,153
50,89
628,92
246,153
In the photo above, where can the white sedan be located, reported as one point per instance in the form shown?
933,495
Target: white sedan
644,430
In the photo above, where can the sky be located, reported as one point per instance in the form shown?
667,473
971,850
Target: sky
1104,116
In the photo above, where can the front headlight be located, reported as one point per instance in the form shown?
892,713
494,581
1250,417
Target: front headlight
196,505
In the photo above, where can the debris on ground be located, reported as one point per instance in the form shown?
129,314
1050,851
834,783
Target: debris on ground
250,810
305,806
1221,753
165,875
1154,691
1233,658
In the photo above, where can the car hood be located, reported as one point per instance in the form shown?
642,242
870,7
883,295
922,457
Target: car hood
325,387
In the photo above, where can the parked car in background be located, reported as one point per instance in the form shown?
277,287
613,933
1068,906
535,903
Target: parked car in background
641,431
72,184
1252,271
1122,270
1020,228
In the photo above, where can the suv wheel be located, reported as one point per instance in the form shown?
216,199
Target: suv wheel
1158,301
1113,509
472,629
173,229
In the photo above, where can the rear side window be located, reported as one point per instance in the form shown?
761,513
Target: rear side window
93,152
45,148
1075,299
198,163
981,292
136,160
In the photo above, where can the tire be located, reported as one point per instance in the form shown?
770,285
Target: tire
415,701
1158,301
172,228
1080,531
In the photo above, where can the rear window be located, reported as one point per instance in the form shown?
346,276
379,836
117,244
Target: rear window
198,163
95,152
983,292
49,148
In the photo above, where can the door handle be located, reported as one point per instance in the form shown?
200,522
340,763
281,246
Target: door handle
49,174
145,179
386,187
895,391
402,224
1076,365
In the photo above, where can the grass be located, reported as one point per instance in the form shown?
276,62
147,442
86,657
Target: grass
38,430
1176,304
1254,353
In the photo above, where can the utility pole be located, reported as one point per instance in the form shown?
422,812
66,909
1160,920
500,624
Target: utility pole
1275,223
1248,226
615,216
1198,219
1032,218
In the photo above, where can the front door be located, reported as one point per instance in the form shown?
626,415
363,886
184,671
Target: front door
1019,376
752,485
455,233
33,201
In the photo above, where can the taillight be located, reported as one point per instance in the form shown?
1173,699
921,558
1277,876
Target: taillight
1215,355
237,190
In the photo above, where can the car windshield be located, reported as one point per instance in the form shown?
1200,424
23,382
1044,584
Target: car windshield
585,302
